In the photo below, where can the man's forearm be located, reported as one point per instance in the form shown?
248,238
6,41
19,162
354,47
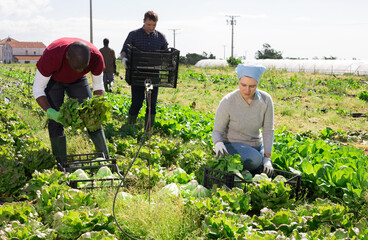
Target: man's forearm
42,101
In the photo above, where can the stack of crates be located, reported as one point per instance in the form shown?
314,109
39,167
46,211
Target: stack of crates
159,67
90,163
219,178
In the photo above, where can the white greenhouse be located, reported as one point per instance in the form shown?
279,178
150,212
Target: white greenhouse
357,67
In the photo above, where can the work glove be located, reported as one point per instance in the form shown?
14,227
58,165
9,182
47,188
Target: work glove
220,150
267,166
53,114
125,62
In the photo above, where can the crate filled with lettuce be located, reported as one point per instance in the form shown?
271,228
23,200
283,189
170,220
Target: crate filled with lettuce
91,171
225,171
228,171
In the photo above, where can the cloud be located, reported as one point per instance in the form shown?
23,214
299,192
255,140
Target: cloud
303,19
22,8
255,16
44,29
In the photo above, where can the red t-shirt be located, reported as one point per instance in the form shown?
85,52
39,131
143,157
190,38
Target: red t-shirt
53,61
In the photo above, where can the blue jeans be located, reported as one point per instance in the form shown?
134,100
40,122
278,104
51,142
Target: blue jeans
138,95
252,157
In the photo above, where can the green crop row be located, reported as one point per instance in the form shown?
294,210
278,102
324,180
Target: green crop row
181,137
21,153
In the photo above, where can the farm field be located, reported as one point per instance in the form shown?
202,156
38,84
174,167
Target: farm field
320,134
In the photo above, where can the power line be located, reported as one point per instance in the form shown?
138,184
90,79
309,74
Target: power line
232,22
174,32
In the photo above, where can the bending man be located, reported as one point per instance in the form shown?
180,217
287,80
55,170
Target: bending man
62,69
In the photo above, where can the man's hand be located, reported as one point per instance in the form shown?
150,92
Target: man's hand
125,62
53,115
267,166
220,150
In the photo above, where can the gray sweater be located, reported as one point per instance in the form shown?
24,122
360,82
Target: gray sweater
237,121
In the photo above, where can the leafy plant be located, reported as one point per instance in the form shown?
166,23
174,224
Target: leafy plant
363,95
69,114
265,193
90,114
233,61
229,163
73,223
178,175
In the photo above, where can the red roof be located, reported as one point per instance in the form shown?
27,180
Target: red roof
27,57
8,39
27,44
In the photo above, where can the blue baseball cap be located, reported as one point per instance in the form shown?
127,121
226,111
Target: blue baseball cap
253,71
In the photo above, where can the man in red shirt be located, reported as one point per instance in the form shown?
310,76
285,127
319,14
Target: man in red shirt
62,68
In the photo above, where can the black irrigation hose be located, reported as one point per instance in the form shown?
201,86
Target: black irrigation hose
147,127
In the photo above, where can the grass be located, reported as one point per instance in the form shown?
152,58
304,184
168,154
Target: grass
77,143
163,217
302,101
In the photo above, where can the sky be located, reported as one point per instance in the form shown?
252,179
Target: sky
297,28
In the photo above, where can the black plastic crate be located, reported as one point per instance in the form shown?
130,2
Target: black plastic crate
220,178
159,67
90,163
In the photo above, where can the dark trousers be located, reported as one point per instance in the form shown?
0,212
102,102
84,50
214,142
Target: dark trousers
138,96
55,93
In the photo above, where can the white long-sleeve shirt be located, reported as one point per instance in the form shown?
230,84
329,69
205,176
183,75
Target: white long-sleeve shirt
40,84
238,121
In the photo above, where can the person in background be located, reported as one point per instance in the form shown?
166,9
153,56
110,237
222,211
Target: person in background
146,38
62,69
110,65
239,119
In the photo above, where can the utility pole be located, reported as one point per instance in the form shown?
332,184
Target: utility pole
90,22
174,32
232,22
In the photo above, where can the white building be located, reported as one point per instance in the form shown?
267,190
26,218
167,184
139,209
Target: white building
13,51
2,43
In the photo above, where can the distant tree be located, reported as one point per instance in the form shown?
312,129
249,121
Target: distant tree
206,56
268,53
330,58
193,58
183,60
